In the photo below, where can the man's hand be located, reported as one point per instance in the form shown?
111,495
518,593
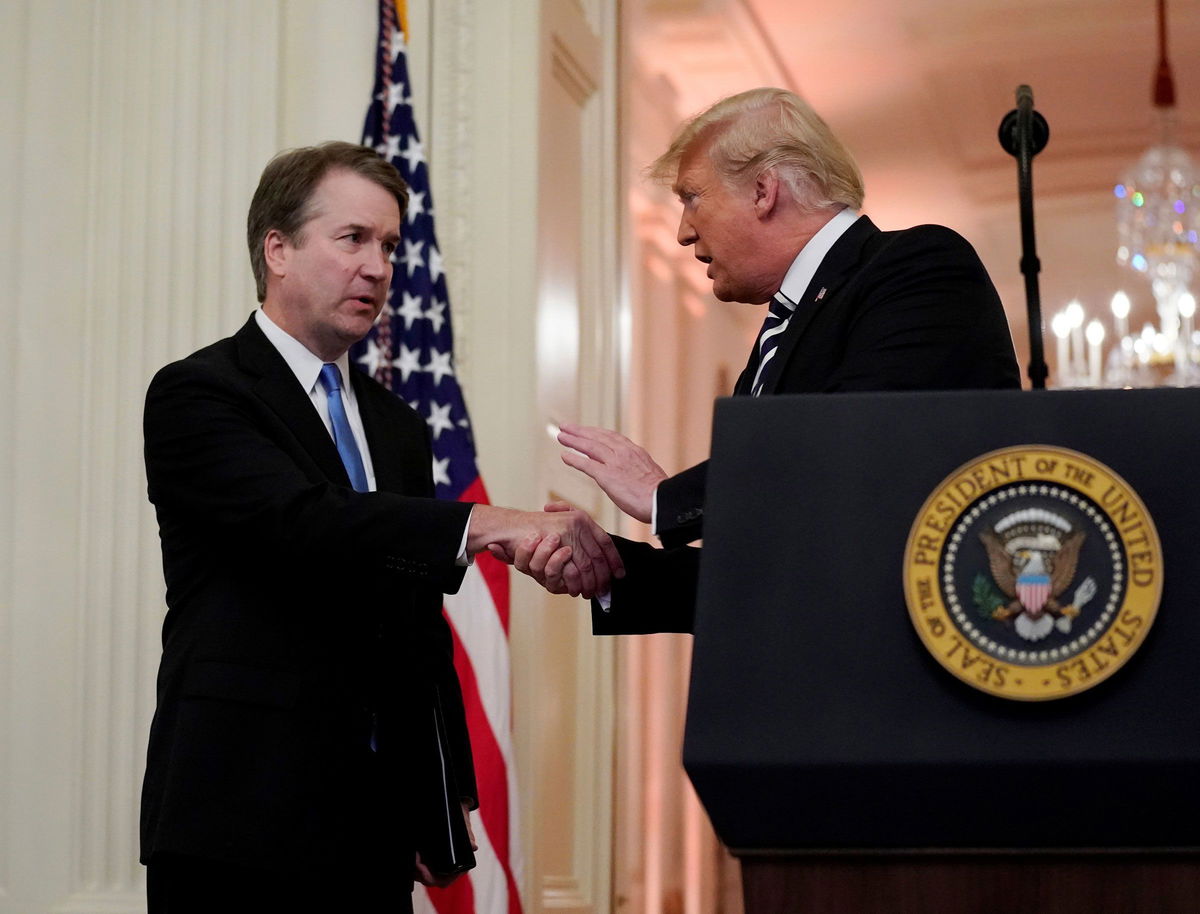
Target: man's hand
543,559
586,559
425,877
627,474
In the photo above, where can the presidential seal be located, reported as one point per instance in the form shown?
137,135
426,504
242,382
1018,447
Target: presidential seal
1033,573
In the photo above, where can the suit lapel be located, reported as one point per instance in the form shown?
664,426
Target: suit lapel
838,266
276,385
392,447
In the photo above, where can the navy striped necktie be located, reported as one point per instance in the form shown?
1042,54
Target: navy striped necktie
779,312
343,437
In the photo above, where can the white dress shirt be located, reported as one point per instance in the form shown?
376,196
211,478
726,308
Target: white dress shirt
307,369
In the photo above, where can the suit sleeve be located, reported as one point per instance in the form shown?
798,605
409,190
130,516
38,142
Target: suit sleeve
681,506
657,594
221,460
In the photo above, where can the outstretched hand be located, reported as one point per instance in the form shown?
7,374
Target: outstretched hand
624,470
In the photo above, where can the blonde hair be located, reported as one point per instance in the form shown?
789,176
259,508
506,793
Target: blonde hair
763,129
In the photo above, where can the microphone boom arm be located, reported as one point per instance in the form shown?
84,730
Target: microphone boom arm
1023,134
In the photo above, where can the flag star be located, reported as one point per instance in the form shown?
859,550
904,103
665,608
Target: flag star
414,405
395,96
435,263
407,362
374,358
439,365
463,423
414,154
397,44
411,310
392,150
416,204
441,471
436,315
412,255
439,419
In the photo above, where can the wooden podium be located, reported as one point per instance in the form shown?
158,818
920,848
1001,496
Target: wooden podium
843,764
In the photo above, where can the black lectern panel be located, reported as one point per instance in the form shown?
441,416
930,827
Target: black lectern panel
817,718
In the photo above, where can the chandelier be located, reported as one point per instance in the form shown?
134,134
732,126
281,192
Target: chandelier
1158,237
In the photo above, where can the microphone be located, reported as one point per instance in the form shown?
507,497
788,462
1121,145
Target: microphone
1038,131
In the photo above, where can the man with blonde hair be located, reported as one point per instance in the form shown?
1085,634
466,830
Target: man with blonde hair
771,203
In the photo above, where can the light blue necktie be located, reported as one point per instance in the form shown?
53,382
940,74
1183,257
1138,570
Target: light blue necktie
331,380
780,311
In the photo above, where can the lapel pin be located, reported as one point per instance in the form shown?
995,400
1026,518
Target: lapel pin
820,294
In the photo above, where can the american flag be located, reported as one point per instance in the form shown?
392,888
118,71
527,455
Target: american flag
411,351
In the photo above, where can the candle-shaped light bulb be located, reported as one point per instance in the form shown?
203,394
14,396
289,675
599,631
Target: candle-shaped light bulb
1061,325
1095,336
1075,316
1120,310
1187,310
1074,313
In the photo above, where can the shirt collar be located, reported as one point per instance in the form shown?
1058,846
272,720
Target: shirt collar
304,365
804,267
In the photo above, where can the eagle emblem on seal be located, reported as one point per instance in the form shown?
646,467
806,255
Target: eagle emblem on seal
1033,554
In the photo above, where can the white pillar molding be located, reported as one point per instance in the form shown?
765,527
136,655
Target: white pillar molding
452,143
142,127
181,116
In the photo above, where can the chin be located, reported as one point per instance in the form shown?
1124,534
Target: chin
742,296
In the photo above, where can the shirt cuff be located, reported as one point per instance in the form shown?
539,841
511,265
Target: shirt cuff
462,560
653,512
605,601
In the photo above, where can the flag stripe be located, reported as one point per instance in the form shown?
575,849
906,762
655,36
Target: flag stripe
491,769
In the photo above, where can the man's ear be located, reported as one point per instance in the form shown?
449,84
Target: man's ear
766,193
276,249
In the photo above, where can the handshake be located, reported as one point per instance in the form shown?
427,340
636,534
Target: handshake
562,548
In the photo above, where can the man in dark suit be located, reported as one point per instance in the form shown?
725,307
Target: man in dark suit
304,649
770,204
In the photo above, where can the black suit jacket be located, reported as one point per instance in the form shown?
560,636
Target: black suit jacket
906,310
302,618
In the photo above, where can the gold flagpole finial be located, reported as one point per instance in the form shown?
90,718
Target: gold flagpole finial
402,16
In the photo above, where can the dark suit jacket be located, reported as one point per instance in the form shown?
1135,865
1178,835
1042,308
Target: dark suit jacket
907,310
302,616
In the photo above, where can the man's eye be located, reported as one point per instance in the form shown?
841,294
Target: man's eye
389,247
355,237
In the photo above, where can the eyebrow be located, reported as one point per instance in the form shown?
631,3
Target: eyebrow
366,229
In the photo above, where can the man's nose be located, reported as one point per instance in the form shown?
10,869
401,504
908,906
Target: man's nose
686,234
376,263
